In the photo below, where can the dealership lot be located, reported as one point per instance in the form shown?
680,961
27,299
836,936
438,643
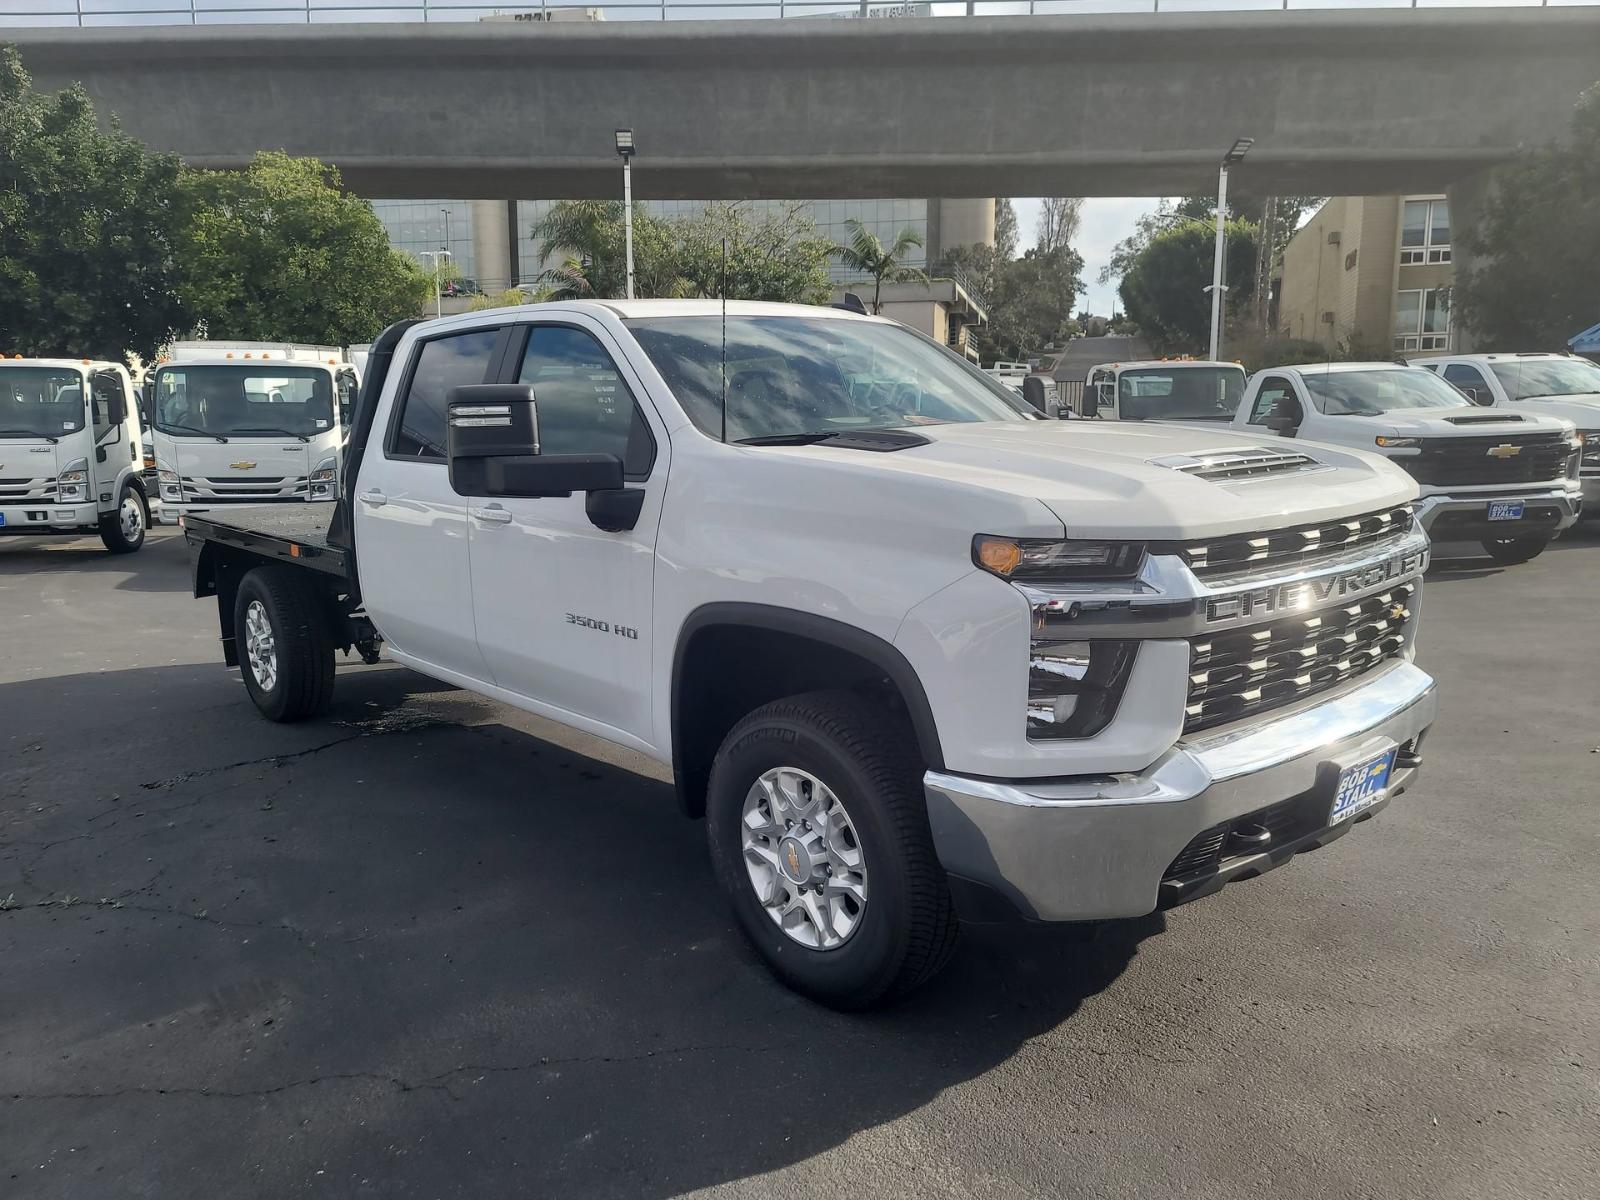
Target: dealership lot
432,946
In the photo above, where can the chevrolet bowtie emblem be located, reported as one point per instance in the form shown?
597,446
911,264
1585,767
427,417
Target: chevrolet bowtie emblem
794,860
243,466
1504,450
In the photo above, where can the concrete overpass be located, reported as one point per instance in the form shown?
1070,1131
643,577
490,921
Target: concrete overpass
1339,102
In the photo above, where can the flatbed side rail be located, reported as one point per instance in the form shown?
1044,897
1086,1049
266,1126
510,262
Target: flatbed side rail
198,530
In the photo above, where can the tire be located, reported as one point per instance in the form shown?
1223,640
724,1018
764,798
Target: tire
905,929
123,531
289,673
1513,550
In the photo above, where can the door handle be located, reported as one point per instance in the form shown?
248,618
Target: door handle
375,498
493,515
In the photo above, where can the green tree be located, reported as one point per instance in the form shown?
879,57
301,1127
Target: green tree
277,252
1534,284
776,255
587,239
867,253
1033,302
1005,230
89,225
1164,285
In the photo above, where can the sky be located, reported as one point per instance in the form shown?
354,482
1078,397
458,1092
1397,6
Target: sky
1105,223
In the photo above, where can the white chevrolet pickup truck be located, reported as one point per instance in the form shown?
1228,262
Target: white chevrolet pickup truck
1506,479
912,656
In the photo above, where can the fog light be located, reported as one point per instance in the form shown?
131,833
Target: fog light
1074,687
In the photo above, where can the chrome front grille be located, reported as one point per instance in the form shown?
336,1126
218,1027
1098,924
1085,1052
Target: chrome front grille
1288,548
27,489
249,489
1256,668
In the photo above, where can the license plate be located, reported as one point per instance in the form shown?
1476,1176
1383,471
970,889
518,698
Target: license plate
1361,786
1505,510
2,520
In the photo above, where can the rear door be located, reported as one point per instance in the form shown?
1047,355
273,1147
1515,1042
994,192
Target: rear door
563,607
411,527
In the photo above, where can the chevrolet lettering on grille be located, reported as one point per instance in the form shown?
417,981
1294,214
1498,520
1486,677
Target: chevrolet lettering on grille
1310,593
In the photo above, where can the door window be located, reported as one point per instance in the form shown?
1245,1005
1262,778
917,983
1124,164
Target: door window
584,405
440,364
1465,376
1273,389
105,389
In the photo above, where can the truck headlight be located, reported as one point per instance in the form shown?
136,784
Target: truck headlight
322,478
1074,687
1397,443
72,485
171,485
1043,560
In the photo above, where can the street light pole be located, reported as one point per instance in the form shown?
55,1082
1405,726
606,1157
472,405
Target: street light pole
625,148
445,213
1240,148
438,297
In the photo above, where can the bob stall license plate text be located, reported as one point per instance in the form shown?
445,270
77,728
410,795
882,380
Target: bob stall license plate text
1505,510
1361,786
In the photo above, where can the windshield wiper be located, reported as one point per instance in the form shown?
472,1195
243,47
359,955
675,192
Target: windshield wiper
192,429
270,429
28,433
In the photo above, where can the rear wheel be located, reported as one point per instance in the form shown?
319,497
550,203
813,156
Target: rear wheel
123,531
1512,550
820,839
285,646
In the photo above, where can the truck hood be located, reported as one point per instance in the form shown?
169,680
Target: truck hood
1470,420
1583,411
1144,479
34,458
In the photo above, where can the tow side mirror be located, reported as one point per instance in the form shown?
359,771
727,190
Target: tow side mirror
1091,402
493,450
1033,392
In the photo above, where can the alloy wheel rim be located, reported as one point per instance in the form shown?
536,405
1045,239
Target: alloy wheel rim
260,647
804,858
132,517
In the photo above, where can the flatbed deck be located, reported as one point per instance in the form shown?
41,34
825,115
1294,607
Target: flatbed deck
294,533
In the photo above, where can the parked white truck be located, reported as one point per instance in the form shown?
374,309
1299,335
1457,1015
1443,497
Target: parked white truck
70,451
1166,390
248,423
1552,385
908,653
1508,480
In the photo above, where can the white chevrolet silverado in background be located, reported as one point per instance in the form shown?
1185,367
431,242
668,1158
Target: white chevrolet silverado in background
1178,390
70,451
1506,479
1552,385
238,423
908,654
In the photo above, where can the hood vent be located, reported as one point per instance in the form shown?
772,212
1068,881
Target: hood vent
1248,462
1484,419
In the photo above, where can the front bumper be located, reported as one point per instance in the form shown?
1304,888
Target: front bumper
1466,516
40,516
169,511
1092,848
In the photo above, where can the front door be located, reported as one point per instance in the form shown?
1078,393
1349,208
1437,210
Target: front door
411,526
114,447
563,608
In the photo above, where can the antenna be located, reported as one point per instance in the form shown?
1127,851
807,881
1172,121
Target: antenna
722,289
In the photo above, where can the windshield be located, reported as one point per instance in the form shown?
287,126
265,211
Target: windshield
246,400
40,401
1524,379
1383,390
815,375
1180,393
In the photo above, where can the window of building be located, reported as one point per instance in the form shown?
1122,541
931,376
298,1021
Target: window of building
1425,233
1422,319
441,364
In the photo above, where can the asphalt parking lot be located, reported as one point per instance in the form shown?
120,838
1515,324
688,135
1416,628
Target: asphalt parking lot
433,947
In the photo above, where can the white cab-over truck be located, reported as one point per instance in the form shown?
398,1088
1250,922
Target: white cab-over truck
238,423
1188,390
1507,479
71,458
1552,385
908,653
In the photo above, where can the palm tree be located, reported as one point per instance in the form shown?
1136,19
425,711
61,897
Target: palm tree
866,254
587,234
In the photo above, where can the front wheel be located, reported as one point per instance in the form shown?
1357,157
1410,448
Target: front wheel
820,839
123,531
285,647
1513,550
